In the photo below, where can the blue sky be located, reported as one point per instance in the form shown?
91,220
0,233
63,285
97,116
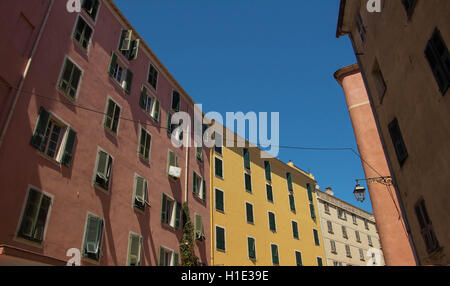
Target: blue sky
263,56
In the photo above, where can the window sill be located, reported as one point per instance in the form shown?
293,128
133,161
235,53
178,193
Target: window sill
80,46
220,211
27,242
100,188
68,97
50,159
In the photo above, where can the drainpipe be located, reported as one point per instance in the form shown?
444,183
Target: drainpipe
25,73
186,177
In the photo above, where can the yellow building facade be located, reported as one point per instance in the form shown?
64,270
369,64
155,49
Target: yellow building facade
255,219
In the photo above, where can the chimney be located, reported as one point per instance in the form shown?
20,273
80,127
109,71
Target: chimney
291,163
329,191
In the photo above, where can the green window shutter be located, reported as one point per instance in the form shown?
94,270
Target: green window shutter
134,251
219,200
161,256
102,166
295,230
220,238
163,208
116,118
275,258
41,218
204,190
310,197
248,182
76,75
148,142
128,81
194,183
135,49
112,64
199,227
64,82
176,101
177,215
316,237
40,129
292,202
126,40
319,261
246,158
249,210
69,147
155,112
218,167
140,191
251,248
175,259
289,181
269,193
30,215
267,171
143,99
272,224
169,122
93,236
298,258
312,210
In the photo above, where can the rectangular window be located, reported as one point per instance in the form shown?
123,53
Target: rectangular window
218,143
348,251
409,6
292,202
172,163
289,181
218,167
35,216
91,8
380,83
82,33
361,28
153,76
120,73
269,193
198,227
327,208
344,232
93,237
330,227
312,211
275,258
342,214
140,192
295,230
361,255
198,186
145,143
438,58
149,104
70,78
167,257
220,206
171,127
220,238
355,222
298,258
134,250
246,155
319,261
267,171
316,237
333,246
369,240
199,153
251,247
176,99
170,211
112,116
426,226
397,141
249,211
358,238
310,192
53,138
272,224
103,170
248,182
127,46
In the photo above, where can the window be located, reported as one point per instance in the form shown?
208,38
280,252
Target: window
172,162
295,230
251,248
218,143
426,226
344,232
91,8
199,153
82,33
358,238
366,224
248,182
312,211
333,246
103,170
149,104
198,227
145,144
369,239
298,258
220,206
93,237
167,257
249,211
380,83
272,224
310,195
354,219
220,238
53,138
35,216
140,192
218,167
127,46
171,127
198,186
438,58
134,250
292,202
120,73
267,171
275,258
348,251
319,261
397,140
70,78
337,263
409,6
361,28
342,214
361,255
289,181
152,76
269,193
170,212
112,116
246,155
316,237
327,208
176,101
330,227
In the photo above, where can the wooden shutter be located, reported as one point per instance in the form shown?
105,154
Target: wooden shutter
312,210
176,101
248,182
134,256
164,208
169,122
316,237
251,248
177,215
289,181
310,196
397,140
102,165
128,81
246,158
64,83
194,183
249,210
39,131
30,214
140,190
135,49
292,202
272,224
126,40
203,196
155,111
69,147
269,193
220,238
198,226
298,258
93,235
275,258
295,229
112,64
219,200
268,171
41,218
143,99
218,167
161,256
75,79
175,259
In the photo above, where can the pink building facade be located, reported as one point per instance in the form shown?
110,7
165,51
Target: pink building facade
85,151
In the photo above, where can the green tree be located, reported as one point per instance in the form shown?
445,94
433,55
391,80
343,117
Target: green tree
187,253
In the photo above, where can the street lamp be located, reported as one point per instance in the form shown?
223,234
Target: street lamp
360,191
